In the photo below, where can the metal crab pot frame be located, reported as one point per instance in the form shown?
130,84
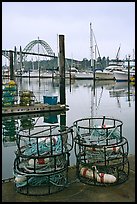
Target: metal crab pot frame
101,151
103,175
42,159
49,142
41,184
98,130
41,165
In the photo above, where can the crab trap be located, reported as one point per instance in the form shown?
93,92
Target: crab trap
42,159
101,151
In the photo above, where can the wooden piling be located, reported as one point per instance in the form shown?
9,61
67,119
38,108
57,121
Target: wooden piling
129,69
62,69
15,58
20,59
129,79
11,66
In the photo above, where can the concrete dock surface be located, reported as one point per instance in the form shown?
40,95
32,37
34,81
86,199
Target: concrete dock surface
77,191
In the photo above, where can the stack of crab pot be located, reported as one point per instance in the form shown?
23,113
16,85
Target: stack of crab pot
101,151
9,94
10,127
42,159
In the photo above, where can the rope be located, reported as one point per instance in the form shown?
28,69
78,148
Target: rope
39,180
99,134
44,147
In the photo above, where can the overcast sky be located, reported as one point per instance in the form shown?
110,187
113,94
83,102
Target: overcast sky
113,24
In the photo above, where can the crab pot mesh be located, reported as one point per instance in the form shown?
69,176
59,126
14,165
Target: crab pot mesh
41,165
44,140
41,184
101,151
42,159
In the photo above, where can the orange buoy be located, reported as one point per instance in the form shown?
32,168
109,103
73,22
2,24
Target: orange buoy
100,177
39,161
113,149
105,178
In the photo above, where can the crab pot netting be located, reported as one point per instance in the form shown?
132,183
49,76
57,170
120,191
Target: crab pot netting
42,156
101,151
47,140
41,184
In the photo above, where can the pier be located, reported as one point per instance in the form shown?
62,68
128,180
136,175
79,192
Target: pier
77,191
33,109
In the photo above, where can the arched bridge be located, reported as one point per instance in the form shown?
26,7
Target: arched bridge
47,49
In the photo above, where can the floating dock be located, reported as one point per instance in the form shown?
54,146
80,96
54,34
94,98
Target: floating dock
38,107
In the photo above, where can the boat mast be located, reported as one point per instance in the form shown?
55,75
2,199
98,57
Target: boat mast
91,46
93,69
117,55
57,53
38,58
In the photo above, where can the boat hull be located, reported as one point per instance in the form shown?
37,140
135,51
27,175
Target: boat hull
83,75
121,76
104,75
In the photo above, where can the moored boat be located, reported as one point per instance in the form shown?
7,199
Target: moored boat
122,75
108,72
104,75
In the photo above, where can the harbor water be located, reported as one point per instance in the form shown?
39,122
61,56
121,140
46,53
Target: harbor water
84,99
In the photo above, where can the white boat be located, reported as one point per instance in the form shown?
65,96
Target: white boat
104,75
68,74
35,74
76,74
108,72
122,75
83,75
101,74
47,74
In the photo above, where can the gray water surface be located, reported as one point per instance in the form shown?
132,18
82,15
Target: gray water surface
107,98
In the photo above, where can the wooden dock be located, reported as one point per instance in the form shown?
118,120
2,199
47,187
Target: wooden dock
38,107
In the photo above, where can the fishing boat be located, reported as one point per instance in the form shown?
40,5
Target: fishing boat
98,73
105,74
108,72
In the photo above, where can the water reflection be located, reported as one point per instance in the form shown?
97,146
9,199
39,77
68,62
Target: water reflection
123,89
12,125
109,98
